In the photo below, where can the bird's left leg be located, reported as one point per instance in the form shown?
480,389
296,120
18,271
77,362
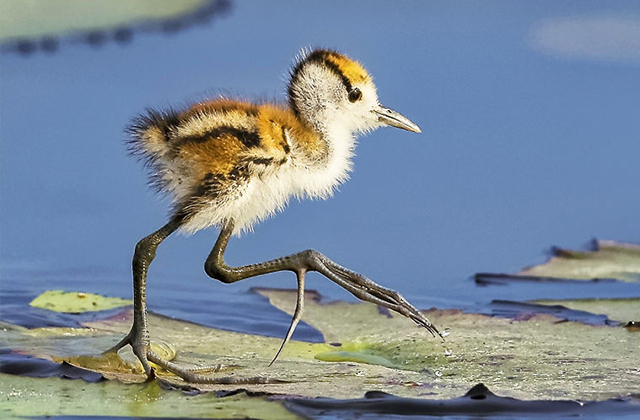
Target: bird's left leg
310,260
138,336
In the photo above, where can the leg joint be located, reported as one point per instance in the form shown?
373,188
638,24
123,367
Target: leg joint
312,258
142,246
216,271
145,250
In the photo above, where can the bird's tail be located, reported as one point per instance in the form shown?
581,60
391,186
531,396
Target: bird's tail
150,141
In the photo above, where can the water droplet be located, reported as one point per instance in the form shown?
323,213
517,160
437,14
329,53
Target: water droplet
446,332
438,373
447,352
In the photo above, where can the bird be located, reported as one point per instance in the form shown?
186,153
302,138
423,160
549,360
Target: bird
230,163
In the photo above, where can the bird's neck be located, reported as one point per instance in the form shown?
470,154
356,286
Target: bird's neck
325,162
341,146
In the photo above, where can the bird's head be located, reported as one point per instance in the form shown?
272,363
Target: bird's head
330,91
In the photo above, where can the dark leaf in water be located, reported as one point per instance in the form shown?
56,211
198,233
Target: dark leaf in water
478,401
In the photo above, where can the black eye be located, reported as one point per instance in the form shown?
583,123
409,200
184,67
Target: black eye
355,94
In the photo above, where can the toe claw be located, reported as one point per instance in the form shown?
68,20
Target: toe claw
151,376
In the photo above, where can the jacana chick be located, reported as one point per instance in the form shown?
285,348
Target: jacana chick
230,163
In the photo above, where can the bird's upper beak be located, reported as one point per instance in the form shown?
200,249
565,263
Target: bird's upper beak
390,117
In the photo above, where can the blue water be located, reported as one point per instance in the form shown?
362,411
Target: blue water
526,144
523,147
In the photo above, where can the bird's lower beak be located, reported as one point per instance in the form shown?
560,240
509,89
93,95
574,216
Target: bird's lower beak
390,117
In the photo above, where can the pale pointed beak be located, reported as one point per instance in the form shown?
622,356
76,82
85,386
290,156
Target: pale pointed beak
390,117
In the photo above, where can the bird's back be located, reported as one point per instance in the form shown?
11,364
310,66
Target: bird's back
224,159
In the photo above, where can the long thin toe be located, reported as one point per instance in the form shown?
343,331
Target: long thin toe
190,375
367,290
125,341
297,314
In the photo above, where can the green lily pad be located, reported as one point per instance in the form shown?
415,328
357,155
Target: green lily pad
34,18
621,310
76,302
608,260
43,397
366,348
540,357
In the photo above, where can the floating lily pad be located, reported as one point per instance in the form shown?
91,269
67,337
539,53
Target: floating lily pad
33,18
76,302
43,397
541,357
607,260
617,310
27,26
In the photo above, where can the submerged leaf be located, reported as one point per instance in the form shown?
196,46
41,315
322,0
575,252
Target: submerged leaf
479,401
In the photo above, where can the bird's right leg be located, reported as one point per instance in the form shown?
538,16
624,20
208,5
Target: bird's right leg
303,262
138,336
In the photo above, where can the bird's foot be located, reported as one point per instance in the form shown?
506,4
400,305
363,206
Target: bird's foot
142,348
138,339
367,290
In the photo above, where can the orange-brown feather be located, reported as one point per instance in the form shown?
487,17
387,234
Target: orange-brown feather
351,69
224,140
